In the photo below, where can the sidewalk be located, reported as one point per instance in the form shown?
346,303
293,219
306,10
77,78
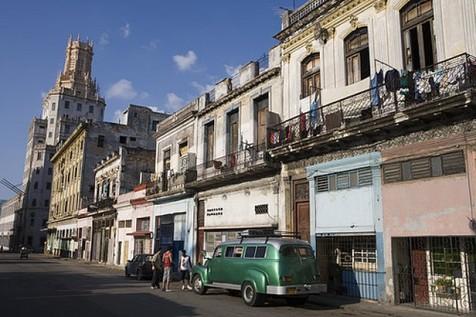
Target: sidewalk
372,308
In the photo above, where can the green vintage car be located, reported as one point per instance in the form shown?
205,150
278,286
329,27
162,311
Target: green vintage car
259,267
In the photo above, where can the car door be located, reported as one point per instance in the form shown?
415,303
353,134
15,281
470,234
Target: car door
214,265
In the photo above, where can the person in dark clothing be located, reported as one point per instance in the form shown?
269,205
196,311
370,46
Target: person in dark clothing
156,270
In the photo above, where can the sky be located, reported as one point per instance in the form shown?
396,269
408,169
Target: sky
156,53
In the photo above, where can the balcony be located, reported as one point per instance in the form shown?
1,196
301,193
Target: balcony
442,93
102,204
170,182
247,164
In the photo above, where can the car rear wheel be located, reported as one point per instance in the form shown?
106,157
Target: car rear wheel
296,301
198,286
250,296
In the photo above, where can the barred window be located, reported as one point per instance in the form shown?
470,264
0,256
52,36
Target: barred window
344,180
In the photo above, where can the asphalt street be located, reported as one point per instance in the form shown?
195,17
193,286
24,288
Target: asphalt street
41,286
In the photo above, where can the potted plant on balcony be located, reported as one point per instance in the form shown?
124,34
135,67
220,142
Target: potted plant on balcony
444,287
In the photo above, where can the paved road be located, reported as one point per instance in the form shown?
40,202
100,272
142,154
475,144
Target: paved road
43,286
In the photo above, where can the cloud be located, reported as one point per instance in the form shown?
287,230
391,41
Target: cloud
232,70
156,109
185,62
123,89
125,30
152,45
202,88
174,102
104,39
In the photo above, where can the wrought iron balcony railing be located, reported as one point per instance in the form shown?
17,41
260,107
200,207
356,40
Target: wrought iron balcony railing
102,203
305,10
442,80
233,163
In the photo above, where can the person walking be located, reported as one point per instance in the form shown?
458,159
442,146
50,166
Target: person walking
156,270
167,265
185,269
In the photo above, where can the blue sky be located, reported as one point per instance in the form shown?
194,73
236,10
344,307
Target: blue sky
158,53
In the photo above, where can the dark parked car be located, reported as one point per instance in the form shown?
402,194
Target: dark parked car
140,266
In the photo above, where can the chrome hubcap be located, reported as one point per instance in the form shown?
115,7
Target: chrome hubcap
198,283
248,293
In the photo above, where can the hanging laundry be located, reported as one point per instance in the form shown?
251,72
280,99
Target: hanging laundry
392,80
313,113
374,90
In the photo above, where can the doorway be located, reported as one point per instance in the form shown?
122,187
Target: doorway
301,209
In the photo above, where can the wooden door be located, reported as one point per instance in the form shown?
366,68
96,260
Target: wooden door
420,276
125,253
303,220
262,110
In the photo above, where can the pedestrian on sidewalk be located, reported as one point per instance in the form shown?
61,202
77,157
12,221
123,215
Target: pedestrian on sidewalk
156,270
185,269
167,264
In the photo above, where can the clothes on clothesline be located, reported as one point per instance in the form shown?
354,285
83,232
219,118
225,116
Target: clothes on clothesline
392,80
375,82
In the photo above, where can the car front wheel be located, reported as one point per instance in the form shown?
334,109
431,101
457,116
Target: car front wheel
198,286
250,296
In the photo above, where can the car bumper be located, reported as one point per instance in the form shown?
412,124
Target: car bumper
302,289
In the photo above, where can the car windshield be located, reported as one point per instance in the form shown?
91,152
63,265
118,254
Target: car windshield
296,251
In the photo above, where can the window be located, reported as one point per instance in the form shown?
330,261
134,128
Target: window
66,104
344,180
183,149
232,132
52,120
79,107
48,185
261,108
445,255
166,160
154,125
100,140
234,252
37,171
128,223
67,128
417,34
50,134
261,209
39,156
91,109
133,139
217,253
122,139
445,164
122,223
50,171
33,203
53,106
35,186
47,203
357,59
255,252
143,224
209,143
310,75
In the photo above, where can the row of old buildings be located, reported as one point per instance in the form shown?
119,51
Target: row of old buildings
357,131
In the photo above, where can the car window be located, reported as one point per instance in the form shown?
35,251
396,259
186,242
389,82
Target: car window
237,252
217,253
229,252
296,251
250,252
260,252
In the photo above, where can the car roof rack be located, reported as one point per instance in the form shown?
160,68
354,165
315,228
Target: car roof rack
267,233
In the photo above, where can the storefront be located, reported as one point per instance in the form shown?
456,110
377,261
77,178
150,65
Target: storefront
62,239
173,226
225,212
346,222
85,222
103,237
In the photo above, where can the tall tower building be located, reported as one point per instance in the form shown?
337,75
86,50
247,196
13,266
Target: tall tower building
75,95
74,98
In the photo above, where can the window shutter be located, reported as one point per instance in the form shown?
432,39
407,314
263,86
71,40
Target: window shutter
365,176
322,183
261,209
420,168
392,172
343,181
453,163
